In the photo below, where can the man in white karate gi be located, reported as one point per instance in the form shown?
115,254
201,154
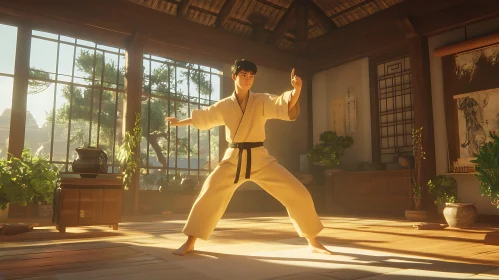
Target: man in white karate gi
244,114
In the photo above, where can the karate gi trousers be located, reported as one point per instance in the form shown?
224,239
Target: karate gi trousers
219,187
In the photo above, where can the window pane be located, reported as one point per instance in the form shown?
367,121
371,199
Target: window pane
175,88
43,56
215,87
6,85
395,108
82,83
38,117
8,48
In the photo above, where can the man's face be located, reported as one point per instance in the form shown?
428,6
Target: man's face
244,79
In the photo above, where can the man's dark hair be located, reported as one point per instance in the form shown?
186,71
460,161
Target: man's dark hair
243,65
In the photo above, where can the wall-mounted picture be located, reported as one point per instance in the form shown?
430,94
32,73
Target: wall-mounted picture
478,114
471,78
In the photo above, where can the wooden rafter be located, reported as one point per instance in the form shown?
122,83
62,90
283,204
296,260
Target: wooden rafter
270,4
284,24
352,8
183,7
224,13
302,25
323,20
258,22
407,25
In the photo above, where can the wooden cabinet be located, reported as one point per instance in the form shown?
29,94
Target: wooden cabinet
369,192
88,201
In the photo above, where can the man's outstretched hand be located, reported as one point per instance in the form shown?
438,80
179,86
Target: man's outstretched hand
173,121
295,80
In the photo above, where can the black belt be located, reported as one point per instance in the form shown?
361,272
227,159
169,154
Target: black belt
244,146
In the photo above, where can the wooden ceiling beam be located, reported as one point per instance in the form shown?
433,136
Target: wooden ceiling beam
224,13
283,25
365,2
258,23
183,7
382,31
389,18
275,6
323,20
456,16
302,25
177,33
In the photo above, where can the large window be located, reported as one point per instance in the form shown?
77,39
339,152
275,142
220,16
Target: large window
7,63
75,98
393,101
174,88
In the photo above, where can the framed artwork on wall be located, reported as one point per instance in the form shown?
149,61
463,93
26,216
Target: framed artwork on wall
471,99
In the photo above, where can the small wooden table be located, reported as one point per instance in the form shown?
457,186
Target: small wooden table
88,201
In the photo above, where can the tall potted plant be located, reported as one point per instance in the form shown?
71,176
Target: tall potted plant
417,191
128,153
487,161
456,214
328,153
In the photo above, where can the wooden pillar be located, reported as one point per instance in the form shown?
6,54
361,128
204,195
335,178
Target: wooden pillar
423,112
20,91
133,89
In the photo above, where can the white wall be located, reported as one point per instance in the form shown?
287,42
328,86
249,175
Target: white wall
468,185
334,83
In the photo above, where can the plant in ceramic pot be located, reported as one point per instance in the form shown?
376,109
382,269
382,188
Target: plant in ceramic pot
327,154
417,190
128,153
459,215
487,161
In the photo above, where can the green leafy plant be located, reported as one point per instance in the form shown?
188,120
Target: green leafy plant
419,156
487,161
128,153
444,188
329,151
27,179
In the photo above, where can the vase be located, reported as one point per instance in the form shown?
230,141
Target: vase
460,215
89,162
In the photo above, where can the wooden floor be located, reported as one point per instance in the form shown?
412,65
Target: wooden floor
267,246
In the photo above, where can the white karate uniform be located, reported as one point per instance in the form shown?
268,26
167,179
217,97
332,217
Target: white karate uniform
265,171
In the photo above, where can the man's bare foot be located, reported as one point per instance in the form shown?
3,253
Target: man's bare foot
317,247
187,247
184,249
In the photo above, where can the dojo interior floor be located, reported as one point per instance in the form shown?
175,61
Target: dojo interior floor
246,246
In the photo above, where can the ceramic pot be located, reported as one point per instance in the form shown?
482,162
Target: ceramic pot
90,160
460,215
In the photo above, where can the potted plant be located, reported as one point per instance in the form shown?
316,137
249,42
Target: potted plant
487,161
327,154
27,179
456,214
417,191
128,153
44,180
